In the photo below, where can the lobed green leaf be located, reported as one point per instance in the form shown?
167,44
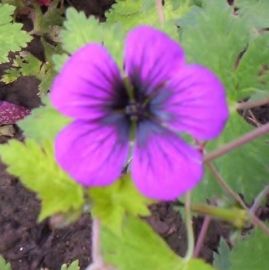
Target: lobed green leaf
38,171
12,37
222,258
4,265
139,247
73,266
45,22
131,13
251,253
236,53
59,60
79,30
43,123
255,13
252,74
111,203
210,36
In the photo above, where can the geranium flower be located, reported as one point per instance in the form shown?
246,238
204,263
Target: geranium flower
139,114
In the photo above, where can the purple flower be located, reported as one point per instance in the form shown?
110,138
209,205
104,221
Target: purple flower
159,97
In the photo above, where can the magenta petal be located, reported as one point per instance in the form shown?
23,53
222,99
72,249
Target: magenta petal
87,84
165,167
195,103
151,57
11,113
92,155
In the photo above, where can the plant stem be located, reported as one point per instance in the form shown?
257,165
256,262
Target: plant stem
189,227
236,143
236,197
96,252
160,11
257,201
201,236
97,258
251,104
236,216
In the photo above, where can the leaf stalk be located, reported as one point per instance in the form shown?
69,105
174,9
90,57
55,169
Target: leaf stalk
189,253
226,148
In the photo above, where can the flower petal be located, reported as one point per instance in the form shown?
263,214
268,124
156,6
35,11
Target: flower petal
164,166
87,84
151,58
193,102
91,154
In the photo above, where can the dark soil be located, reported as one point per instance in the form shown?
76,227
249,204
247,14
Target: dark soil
29,245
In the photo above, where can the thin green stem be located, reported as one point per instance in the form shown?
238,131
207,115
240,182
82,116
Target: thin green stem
129,88
236,216
189,253
251,104
237,198
236,143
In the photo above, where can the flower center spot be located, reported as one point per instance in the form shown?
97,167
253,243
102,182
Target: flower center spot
135,110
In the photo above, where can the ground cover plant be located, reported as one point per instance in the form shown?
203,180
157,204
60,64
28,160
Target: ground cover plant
147,104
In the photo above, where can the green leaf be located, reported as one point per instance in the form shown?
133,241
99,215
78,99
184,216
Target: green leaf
259,96
139,247
113,37
47,76
251,253
44,23
43,123
222,258
50,50
236,167
195,264
228,36
48,72
11,75
111,203
255,12
12,37
59,60
38,171
131,13
239,60
128,14
4,265
79,30
251,75
73,266
25,65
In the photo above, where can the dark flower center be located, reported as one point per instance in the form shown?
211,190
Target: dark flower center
136,110
131,102
132,108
